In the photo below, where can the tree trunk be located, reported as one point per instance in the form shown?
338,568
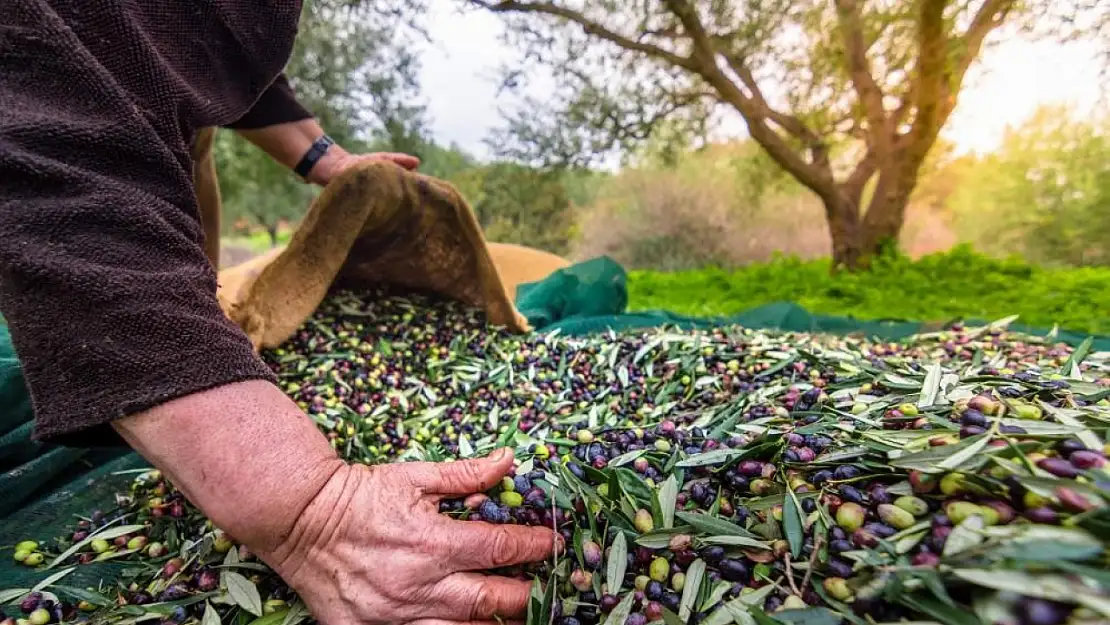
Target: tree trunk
886,212
842,215
272,230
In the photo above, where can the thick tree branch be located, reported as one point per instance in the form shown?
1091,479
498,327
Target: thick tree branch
990,16
854,184
936,85
859,69
789,123
588,26
817,176
929,79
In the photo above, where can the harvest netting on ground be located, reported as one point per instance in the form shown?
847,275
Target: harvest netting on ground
700,477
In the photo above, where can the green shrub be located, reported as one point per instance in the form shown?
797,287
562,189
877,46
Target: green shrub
939,287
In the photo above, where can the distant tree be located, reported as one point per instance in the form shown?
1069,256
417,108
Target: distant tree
519,204
848,96
352,67
1045,193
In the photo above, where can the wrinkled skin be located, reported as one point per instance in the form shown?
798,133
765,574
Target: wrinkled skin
372,548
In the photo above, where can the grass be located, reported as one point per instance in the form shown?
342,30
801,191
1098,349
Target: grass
939,287
258,242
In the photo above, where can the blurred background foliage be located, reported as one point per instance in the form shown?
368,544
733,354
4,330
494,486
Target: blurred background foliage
725,214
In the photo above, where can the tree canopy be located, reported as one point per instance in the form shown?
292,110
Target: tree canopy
847,96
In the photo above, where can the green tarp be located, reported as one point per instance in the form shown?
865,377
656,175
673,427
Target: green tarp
592,297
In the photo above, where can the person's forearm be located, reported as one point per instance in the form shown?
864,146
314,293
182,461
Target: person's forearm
287,143
243,453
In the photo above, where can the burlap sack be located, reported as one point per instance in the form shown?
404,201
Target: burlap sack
515,264
374,224
518,264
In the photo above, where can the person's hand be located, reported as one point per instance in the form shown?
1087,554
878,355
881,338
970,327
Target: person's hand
373,548
337,160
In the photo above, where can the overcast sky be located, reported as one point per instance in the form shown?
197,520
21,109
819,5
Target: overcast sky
459,82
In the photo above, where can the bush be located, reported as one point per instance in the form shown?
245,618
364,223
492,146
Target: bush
725,205
938,287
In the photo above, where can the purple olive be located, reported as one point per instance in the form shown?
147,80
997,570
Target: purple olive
1058,467
1070,446
1043,515
974,417
839,568
713,554
751,468
1085,459
733,570
1042,612
30,603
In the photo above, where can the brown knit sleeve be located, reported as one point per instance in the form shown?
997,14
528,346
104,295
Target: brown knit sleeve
108,295
277,105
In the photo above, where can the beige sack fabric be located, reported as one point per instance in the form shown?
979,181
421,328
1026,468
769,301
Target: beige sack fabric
375,224
518,264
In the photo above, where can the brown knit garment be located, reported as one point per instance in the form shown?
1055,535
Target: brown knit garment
103,280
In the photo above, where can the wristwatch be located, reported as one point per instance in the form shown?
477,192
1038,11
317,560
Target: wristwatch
318,149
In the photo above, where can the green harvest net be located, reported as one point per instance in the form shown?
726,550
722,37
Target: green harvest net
43,488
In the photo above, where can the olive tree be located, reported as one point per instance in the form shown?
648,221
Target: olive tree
848,96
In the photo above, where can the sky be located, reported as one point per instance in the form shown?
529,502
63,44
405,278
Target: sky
1008,84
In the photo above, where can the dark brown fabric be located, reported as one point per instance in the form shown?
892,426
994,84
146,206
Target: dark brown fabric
103,279
277,105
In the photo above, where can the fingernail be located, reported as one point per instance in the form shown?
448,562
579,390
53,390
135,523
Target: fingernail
560,544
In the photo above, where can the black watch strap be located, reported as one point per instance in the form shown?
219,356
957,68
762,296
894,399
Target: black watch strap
314,154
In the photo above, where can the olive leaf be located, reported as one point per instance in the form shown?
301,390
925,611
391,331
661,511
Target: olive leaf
1043,543
620,613
712,525
81,594
243,592
1045,586
106,533
720,589
792,523
1069,417
734,611
660,538
1071,366
716,456
930,460
964,536
211,617
616,564
232,558
694,575
12,594
668,494
808,616
930,387
277,617
736,541
946,614
466,450
53,578
627,457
